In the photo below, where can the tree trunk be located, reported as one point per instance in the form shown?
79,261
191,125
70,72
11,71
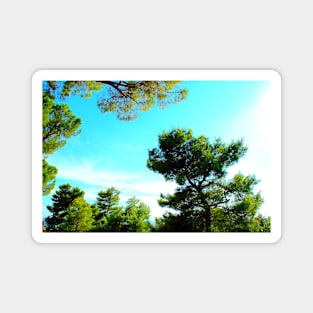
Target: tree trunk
208,219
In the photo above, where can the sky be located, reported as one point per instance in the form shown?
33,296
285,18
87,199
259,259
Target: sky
110,152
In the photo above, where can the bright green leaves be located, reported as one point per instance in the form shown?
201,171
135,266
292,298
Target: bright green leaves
83,88
237,217
59,124
136,216
128,98
260,224
242,184
49,173
78,217
125,98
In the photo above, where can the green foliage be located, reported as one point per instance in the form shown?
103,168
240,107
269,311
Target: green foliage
238,217
71,213
204,200
107,200
128,98
114,222
83,88
62,201
110,214
112,217
175,222
48,177
125,98
59,124
261,224
136,216
78,217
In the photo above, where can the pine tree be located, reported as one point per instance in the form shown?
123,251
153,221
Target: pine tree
137,216
78,217
204,200
62,200
110,215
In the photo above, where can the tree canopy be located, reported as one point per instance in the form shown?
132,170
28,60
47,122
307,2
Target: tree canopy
49,173
125,98
204,199
58,124
62,201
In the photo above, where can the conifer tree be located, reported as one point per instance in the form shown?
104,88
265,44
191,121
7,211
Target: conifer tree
137,216
110,215
78,217
62,200
204,200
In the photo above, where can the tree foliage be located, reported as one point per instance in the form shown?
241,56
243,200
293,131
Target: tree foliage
62,201
136,216
71,213
204,200
58,123
112,217
125,98
109,216
78,217
48,177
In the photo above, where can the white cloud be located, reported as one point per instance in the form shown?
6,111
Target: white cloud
87,173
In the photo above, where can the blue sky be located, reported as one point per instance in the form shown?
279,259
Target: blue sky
110,152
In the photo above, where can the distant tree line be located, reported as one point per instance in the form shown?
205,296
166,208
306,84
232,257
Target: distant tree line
70,212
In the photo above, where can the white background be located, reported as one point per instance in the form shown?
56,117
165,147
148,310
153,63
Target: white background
142,277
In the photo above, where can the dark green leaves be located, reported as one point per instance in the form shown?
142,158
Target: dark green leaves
204,198
184,158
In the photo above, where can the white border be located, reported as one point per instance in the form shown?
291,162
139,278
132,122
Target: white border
42,75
